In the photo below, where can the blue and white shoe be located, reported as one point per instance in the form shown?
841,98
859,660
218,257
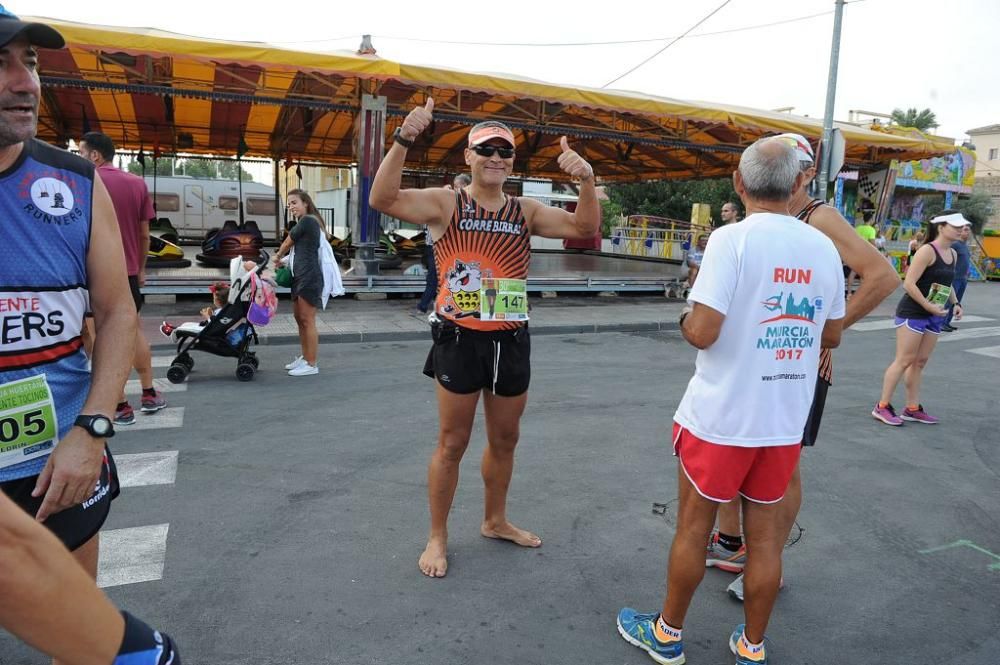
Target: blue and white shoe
639,630
746,655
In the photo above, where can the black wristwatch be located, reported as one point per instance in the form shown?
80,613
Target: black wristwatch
98,426
396,138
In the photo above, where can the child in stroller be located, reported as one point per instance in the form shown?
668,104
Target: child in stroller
220,298
229,330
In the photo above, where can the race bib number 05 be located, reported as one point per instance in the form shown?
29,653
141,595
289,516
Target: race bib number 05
503,300
28,424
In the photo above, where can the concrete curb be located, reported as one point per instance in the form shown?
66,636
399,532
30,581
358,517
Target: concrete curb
424,335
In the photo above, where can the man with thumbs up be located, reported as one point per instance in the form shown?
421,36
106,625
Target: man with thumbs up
482,247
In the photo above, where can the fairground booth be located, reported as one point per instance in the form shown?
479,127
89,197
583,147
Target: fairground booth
163,94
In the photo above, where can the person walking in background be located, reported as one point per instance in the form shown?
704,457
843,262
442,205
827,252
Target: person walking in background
134,210
961,274
730,213
919,317
307,277
694,258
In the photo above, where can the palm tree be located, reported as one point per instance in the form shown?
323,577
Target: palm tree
922,120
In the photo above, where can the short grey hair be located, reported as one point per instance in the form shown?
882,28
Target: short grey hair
769,169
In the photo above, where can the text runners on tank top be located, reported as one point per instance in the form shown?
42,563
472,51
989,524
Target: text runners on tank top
938,272
479,245
45,214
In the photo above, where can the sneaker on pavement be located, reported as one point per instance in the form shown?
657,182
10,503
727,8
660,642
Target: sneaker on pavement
166,329
299,360
735,588
719,557
152,403
125,415
638,630
918,415
305,369
886,414
745,654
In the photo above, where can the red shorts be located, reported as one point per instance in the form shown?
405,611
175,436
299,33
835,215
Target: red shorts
719,472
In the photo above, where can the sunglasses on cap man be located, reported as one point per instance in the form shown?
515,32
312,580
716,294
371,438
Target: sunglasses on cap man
490,150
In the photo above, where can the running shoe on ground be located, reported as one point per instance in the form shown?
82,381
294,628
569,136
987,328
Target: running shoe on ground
735,588
152,403
305,369
125,415
299,360
886,414
919,416
719,557
166,329
639,630
745,654
948,328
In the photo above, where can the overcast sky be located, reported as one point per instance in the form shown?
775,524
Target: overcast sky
894,53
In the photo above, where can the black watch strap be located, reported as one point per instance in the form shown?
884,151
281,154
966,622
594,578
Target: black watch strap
397,138
87,422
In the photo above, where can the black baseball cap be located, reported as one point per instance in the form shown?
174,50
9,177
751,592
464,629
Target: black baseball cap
38,34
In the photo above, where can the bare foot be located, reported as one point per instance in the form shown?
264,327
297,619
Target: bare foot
434,561
508,531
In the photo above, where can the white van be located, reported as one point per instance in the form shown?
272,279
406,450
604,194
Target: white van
197,206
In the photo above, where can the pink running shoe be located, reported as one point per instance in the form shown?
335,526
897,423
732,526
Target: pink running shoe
887,415
918,415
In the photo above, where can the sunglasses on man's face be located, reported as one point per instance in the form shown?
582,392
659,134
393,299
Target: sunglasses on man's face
489,150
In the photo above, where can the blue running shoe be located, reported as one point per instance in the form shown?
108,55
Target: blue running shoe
638,630
745,656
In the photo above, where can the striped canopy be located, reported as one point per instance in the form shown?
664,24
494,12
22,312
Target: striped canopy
155,90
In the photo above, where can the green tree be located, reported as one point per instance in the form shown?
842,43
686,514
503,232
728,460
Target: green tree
911,117
162,166
669,198
976,207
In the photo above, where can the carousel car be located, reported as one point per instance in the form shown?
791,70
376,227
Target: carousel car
232,240
164,254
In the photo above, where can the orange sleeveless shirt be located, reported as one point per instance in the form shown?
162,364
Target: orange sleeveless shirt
479,244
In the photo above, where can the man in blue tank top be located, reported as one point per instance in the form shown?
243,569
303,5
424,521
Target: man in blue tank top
60,256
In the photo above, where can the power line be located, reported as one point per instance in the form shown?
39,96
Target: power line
674,41
608,43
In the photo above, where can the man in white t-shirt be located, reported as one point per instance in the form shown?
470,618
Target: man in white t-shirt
769,296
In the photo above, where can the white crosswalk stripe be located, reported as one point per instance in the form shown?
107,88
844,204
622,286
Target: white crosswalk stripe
993,351
133,387
135,554
142,469
169,417
889,323
970,333
162,361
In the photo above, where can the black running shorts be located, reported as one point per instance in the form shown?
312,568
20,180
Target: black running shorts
465,361
133,286
811,432
77,525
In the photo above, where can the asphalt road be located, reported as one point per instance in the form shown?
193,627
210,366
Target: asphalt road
298,512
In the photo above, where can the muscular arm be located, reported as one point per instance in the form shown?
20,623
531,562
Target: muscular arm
878,279
702,326
114,312
432,206
143,249
551,222
46,595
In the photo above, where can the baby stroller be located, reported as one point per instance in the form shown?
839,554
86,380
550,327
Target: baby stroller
230,331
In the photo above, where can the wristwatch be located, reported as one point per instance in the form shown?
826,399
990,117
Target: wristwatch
97,426
396,138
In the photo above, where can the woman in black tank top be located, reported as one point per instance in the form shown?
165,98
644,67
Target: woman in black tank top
919,318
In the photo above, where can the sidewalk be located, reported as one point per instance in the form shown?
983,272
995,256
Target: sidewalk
349,320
